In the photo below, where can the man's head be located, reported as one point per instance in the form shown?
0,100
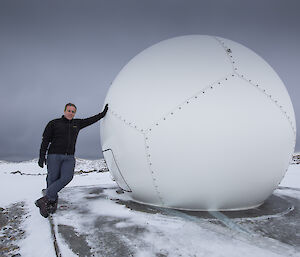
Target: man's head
70,110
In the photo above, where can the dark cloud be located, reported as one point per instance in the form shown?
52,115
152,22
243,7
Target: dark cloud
53,52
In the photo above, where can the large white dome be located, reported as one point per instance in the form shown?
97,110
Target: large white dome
198,122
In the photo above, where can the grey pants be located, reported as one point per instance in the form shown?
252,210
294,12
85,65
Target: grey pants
60,172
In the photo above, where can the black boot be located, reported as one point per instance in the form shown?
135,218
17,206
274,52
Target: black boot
43,204
52,206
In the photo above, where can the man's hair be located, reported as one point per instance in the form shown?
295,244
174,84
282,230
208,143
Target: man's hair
70,104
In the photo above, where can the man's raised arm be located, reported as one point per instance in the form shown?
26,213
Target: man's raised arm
91,120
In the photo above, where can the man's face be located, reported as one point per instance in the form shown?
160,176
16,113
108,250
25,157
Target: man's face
69,113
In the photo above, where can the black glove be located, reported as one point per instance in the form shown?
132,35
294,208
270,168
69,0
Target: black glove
41,162
105,110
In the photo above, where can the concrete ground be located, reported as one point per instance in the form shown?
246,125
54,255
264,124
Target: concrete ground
277,219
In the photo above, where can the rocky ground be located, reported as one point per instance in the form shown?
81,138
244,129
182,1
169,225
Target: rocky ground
11,232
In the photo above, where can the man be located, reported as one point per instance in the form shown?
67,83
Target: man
61,134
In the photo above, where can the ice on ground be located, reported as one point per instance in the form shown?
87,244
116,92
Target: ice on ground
100,215
94,219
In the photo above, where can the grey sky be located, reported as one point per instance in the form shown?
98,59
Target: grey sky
54,52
